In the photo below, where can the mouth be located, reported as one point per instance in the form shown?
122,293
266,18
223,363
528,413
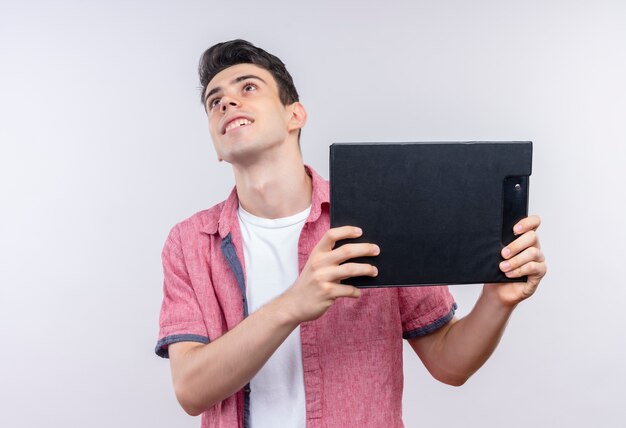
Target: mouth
236,122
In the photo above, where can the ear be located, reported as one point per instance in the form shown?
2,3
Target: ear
297,118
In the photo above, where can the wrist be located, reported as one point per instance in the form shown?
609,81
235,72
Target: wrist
495,296
284,309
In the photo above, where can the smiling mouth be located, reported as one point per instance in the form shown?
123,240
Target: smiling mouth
236,123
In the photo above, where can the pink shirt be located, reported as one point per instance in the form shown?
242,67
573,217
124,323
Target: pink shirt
352,355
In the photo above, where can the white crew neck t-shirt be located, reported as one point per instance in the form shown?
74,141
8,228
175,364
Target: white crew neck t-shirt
270,249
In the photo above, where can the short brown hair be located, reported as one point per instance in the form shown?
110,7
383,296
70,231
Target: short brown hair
226,54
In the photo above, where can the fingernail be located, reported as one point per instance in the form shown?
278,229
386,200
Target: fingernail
375,271
517,228
505,266
376,250
358,230
506,252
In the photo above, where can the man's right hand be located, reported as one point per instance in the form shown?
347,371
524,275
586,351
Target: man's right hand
318,285
206,374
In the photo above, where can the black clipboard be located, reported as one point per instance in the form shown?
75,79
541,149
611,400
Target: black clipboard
440,212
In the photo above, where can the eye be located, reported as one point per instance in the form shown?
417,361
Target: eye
248,87
214,102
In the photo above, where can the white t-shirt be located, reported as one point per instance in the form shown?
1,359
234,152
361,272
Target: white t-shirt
270,249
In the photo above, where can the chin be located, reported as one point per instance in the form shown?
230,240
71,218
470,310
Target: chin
242,157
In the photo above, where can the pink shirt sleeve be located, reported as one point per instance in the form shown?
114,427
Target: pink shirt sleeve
181,318
424,309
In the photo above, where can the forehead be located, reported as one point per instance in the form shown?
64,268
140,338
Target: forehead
228,75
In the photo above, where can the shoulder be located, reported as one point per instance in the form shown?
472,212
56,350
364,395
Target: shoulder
203,222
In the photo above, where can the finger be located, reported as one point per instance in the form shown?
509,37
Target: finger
335,234
349,270
528,239
344,290
350,251
530,269
529,223
532,254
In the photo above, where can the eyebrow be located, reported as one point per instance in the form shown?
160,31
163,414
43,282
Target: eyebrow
232,82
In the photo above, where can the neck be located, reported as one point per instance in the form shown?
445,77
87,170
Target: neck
274,187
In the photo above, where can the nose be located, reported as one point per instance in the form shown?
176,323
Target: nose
228,102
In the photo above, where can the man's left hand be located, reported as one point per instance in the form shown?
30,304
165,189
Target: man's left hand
522,257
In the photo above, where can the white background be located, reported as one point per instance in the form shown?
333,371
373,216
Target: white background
104,147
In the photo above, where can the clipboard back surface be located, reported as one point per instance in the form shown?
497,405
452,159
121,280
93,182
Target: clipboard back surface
440,212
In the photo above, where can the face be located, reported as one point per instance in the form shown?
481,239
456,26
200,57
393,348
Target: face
246,116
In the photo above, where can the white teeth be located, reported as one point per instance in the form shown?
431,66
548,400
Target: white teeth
237,122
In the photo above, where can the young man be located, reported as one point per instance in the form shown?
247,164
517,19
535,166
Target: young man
258,329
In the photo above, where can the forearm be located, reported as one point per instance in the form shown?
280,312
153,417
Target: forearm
206,374
465,346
